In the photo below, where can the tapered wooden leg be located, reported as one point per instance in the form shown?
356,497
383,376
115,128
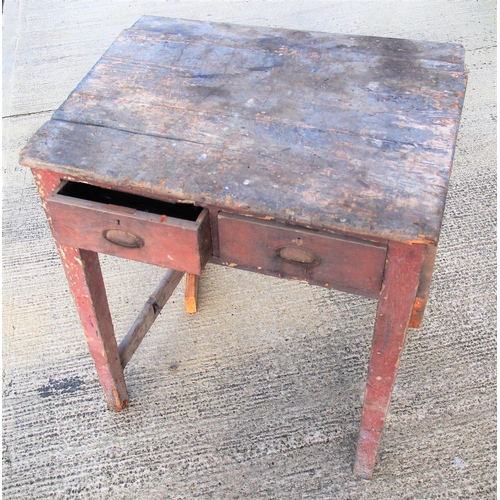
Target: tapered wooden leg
191,295
85,281
399,288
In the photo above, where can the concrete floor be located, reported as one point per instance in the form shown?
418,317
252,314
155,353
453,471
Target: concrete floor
258,395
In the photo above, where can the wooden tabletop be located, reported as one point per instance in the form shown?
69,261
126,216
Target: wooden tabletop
345,133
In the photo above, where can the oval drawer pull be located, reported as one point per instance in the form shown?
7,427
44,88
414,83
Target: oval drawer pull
298,256
123,238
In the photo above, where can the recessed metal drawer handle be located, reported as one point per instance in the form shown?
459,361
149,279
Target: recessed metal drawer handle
298,256
123,238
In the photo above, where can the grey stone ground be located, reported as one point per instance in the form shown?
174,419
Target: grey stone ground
259,394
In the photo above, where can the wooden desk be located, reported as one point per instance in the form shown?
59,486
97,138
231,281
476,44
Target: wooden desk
312,156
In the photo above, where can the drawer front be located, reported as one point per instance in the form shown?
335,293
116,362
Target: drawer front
125,231
319,258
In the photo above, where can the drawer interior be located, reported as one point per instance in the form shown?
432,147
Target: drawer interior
105,196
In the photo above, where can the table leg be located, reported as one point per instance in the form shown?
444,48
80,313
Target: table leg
399,288
83,272
424,287
191,295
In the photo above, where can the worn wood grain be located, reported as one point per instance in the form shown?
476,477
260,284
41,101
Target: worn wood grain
152,308
345,133
308,188
276,37
328,99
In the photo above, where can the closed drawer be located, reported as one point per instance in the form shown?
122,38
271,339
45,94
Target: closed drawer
176,236
319,258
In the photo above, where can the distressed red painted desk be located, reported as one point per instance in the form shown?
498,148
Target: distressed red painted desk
319,157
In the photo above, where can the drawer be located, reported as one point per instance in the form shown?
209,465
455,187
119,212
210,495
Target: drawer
176,236
319,258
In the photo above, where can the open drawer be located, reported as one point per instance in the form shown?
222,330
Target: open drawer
176,236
